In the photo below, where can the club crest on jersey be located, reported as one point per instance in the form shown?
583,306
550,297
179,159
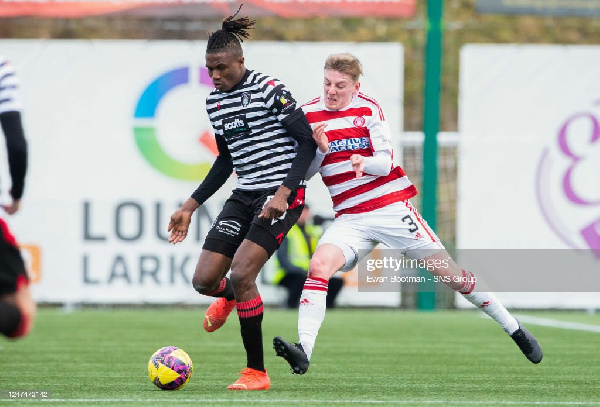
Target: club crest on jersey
245,99
356,143
359,121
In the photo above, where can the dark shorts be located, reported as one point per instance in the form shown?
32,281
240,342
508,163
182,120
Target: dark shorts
11,262
239,220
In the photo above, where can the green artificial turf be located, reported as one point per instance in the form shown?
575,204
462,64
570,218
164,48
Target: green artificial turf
362,357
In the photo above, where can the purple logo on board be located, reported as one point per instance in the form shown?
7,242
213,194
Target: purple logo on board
568,181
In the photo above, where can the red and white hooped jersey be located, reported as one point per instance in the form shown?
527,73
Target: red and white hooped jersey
359,128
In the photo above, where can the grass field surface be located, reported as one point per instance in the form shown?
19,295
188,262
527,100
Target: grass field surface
362,357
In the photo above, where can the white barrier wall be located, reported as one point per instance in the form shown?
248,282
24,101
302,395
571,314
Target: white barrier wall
118,137
529,160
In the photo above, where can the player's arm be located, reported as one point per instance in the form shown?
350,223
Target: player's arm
320,138
216,177
380,163
281,103
315,166
16,147
297,126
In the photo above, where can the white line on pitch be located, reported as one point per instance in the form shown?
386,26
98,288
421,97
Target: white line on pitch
554,323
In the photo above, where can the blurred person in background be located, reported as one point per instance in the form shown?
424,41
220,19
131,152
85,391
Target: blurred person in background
371,199
293,258
265,138
17,307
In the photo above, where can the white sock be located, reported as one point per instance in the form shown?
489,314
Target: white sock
488,303
311,312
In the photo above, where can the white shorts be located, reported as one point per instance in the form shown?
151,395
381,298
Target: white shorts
399,226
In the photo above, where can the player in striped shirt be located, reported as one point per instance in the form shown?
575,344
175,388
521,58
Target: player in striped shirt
371,199
266,139
17,307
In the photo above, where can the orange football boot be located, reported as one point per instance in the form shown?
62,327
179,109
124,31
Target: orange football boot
251,379
216,315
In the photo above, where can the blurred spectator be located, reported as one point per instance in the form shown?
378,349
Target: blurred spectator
293,258
17,308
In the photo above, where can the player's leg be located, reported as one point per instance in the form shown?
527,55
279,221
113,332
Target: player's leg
418,242
467,284
220,245
209,279
296,288
17,311
10,317
340,248
326,260
17,307
209,273
262,240
247,263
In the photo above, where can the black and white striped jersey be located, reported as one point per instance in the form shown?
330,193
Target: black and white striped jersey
249,118
8,87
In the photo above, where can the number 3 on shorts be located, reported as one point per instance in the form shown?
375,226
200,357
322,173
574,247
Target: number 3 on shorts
409,220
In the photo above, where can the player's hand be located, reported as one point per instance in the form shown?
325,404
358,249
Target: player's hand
13,207
276,206
320,137
357,164
179,225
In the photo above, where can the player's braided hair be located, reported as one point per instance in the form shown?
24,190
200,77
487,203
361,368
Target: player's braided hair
230,36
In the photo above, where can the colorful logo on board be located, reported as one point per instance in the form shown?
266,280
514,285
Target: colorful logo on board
568,181
145,132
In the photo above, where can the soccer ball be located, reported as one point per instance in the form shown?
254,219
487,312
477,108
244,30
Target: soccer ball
170,368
